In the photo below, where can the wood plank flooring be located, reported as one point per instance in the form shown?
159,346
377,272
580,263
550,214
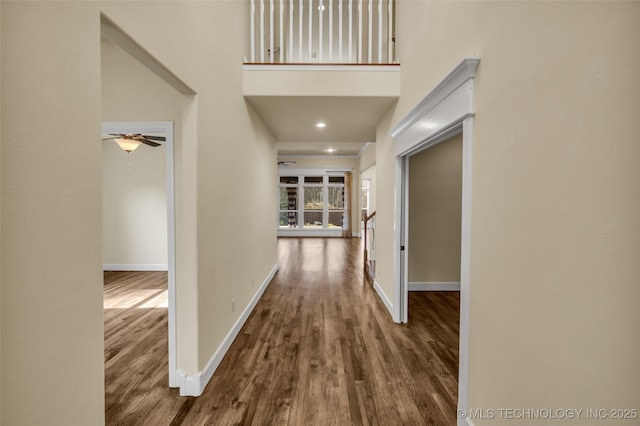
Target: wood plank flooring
319,349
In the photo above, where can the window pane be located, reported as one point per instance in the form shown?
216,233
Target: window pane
336,179
313,179
336,198
313,199
288,198
292,180
335,219
313,219
288,219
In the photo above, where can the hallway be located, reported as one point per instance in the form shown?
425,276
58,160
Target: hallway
319,349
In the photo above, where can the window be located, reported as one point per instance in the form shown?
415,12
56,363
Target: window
312,202
335,201
288,202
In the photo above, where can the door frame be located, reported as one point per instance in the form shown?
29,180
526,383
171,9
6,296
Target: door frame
446,111
164,128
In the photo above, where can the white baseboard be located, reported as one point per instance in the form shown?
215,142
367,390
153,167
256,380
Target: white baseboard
135,267
465,422
193,385
435,286
383,297
302,232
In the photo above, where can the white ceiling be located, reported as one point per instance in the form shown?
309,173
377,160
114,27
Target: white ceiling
350,122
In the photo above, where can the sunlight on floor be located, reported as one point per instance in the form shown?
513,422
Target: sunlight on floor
153,298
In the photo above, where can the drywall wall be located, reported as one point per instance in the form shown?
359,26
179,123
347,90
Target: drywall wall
347,163
555,236
385,179
367,156
435,207
135,185
51,194
232,161
52,322
0,226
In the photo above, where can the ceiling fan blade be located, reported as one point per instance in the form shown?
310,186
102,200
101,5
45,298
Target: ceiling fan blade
148,142
155,138
111,138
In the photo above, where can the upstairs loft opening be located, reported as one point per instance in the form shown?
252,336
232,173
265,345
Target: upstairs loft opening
322,32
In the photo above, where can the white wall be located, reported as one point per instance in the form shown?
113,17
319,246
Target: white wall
134,186
135,208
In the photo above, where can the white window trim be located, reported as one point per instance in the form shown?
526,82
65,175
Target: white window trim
301,230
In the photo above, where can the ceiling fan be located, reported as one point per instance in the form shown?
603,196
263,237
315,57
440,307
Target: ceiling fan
285,163
130,141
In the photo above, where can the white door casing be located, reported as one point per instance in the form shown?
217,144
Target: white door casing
446,111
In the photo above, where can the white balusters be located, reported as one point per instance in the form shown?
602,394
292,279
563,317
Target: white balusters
253,31
271,52
390,29
300,31
359,31
330,30
281,46
379,31
370,35
350,31
314,31
290,44
310,23
320,29
262,31
340,24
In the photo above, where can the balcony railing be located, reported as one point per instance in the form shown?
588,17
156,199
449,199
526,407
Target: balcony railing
322,31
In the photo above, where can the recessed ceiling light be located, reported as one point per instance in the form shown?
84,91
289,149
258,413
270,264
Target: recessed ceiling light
321,125
331,150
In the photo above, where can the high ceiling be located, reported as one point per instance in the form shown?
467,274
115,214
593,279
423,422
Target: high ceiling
350,122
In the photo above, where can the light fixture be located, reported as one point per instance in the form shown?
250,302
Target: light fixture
331,150
321,125
128,145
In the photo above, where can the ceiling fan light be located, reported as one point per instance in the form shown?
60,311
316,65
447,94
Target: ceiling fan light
128,145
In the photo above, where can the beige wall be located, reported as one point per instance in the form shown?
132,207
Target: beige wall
347,163
52,352
385,178
0,223
52,360
555,234
367,157
135,189
435,206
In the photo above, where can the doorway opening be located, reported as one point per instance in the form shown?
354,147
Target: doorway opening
150,195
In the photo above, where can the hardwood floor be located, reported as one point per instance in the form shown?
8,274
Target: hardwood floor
319,349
